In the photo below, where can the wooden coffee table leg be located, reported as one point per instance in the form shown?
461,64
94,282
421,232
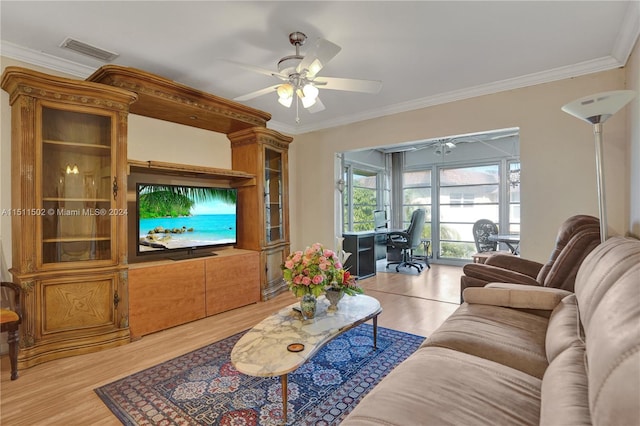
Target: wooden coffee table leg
375,332
285,396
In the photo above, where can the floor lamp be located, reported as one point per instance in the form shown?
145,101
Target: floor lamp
596,109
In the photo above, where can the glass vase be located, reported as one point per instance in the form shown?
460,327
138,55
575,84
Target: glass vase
308,306
333,296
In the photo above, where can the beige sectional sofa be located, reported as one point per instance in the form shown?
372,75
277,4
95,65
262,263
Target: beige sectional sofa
527,355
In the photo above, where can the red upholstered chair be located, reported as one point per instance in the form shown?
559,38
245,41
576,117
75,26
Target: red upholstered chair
10,319
577,237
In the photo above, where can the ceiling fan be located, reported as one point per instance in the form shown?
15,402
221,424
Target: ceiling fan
299,76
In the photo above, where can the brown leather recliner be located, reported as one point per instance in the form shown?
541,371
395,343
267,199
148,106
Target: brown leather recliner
577,237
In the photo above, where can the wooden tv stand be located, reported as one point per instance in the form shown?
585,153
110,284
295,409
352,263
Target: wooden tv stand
166,293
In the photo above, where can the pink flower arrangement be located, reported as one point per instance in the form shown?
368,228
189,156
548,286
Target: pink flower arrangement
313,270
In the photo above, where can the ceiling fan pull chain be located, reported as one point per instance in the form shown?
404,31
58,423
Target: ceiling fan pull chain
297,109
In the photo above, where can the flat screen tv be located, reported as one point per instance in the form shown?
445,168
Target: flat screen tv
180,219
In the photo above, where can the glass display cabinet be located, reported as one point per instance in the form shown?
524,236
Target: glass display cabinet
264,152
77,186
273,195
68,213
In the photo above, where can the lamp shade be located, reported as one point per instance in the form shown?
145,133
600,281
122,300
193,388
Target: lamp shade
285,90
285,94
310,91
599,107
285,101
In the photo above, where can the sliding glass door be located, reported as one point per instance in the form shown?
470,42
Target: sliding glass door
466,194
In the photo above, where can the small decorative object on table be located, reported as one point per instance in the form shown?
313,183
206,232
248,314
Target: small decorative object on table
308,305
314,270
333,296
345,284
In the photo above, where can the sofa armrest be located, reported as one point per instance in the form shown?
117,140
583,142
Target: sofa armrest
516,296
514,263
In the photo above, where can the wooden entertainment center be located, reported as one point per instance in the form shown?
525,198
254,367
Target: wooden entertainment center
69,138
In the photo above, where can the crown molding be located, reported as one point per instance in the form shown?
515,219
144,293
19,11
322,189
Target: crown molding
629,33
561,73
45,60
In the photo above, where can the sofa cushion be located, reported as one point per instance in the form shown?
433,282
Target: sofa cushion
438,386
564,328
565,391
507,336
517,296
608,293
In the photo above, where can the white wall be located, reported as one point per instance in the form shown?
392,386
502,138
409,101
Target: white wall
152,139
556,150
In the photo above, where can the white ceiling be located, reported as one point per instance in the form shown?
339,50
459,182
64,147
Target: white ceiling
424,52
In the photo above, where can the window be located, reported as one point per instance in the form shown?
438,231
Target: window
514,197
416,194
360,198
466,194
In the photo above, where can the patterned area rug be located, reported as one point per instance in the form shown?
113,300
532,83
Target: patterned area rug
203,388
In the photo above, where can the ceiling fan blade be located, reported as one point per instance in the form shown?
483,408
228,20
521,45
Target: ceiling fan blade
317,107
257,93
257,69
317,57
350,84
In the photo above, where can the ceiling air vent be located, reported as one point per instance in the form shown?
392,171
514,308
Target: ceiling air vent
87,49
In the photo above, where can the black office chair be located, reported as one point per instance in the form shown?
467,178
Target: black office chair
407,241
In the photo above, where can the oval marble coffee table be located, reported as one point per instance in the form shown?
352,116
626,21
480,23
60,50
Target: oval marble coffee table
263,350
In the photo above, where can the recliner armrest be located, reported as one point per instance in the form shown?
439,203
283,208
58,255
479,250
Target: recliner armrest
491,273
514,263
516,296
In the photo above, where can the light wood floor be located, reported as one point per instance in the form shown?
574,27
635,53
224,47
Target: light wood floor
61,392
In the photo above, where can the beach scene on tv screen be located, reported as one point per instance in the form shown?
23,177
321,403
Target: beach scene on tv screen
185,217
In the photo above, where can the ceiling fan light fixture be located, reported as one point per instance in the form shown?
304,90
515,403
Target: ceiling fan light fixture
286,102
307,101
310,91
308,95
285,94
285,90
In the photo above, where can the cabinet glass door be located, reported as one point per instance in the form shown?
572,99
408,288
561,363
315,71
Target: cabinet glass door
273,195
76,186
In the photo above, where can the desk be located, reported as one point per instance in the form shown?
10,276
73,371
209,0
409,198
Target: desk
361,245
511,240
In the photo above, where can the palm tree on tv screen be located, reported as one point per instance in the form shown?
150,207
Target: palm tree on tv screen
168,200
